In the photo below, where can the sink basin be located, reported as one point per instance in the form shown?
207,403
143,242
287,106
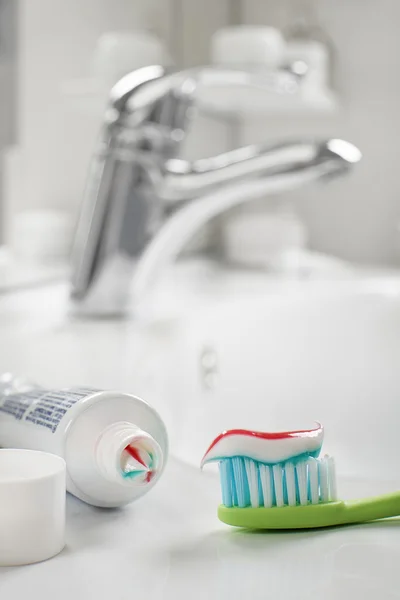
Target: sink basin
224,349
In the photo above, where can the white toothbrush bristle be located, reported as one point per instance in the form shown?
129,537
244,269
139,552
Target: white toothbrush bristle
246,482
290,484
301,469
278,483
323,480
312,465
332,479
266,485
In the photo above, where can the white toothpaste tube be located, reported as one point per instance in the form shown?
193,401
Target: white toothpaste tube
115,444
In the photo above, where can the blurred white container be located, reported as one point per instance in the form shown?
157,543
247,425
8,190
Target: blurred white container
41,235
275,241
254,237
248,45
263,49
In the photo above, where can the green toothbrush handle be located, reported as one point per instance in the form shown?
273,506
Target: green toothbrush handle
324,514
370,509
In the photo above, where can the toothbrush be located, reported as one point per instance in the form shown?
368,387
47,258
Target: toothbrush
278,481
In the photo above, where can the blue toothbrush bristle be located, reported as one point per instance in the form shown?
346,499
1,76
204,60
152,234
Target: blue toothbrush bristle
246,482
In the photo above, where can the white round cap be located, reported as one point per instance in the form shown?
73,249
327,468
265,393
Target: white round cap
32,506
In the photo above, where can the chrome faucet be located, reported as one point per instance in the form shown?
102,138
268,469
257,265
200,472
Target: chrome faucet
142,203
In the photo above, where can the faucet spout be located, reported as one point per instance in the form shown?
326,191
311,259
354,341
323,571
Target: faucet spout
292,167
184,180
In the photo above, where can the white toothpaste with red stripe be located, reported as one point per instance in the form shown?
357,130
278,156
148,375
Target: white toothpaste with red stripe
267,448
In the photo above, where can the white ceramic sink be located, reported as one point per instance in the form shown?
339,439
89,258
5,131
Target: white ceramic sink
225,349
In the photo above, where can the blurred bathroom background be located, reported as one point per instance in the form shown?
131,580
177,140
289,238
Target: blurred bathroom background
58,59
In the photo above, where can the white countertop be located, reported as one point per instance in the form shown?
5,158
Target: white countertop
170,546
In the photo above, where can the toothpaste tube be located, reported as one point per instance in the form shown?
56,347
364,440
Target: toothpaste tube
115,444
